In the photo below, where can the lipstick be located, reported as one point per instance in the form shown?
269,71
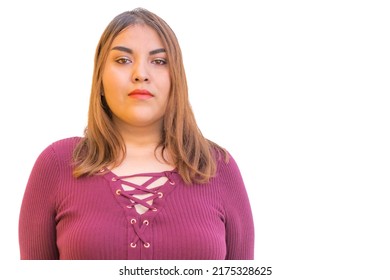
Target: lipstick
140,94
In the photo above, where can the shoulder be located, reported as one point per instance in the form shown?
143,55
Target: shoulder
227,168
223,158
60,150
227,165
53,161
230,185
66,145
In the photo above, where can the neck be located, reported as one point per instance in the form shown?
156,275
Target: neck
141,138
141,154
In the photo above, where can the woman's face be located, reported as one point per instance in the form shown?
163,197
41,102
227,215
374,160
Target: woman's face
136,78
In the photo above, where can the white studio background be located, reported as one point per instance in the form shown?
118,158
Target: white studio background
297,91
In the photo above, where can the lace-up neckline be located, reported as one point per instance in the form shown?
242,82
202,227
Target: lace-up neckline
141,197
143,191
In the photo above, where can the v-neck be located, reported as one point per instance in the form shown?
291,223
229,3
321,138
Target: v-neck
131,196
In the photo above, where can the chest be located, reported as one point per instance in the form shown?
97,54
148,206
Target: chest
94,221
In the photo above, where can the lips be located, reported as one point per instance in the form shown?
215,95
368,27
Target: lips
140,94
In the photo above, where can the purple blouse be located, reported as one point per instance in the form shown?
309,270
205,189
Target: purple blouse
96,217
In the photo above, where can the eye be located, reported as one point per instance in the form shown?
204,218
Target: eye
159,61
123,60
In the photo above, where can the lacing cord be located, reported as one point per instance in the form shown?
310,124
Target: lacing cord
139,230
134,200
142,189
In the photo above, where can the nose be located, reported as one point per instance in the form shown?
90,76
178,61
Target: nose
140,73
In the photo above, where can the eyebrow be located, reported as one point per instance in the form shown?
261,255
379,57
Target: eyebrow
130,51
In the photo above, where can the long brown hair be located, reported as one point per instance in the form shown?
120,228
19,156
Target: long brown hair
193,155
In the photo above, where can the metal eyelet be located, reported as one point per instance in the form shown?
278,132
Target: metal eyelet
171,182
118,192
114,179
147,245
154,209
160,194
133,245
133,221
146,222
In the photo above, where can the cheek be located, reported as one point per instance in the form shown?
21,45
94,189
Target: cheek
167,91
106,81
113,91
113,79
165,82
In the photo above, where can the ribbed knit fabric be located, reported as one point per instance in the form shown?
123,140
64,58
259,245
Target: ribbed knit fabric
94,217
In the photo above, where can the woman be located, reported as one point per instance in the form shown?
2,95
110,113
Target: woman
143,183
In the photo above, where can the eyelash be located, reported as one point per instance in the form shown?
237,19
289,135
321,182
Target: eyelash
123,60
158,61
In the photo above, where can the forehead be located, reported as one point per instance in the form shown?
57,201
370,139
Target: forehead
138,35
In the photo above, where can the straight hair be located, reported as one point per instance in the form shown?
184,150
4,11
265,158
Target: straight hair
194,156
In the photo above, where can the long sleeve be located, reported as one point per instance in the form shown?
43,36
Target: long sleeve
37,235
63,217
238,214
